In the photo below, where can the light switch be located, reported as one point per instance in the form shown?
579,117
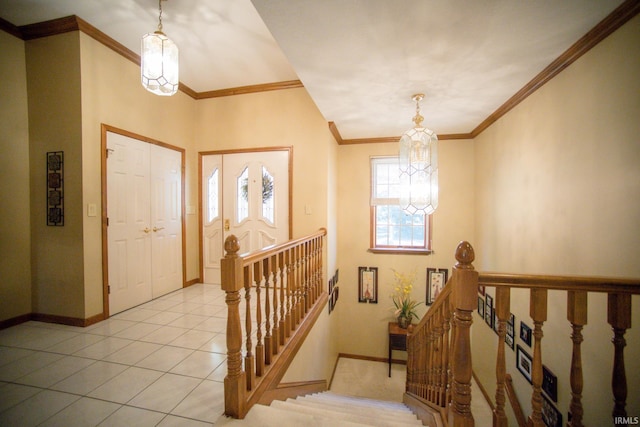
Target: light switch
91,209
307,209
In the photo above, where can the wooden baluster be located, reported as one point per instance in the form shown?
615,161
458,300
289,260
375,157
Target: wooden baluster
577,316
299,285
275,332
282,268
503,310
538,312
451,342
234,382
446,369
464,301
248,359
430,356
439,398
257,268
619,317
305,279
268,349
289,293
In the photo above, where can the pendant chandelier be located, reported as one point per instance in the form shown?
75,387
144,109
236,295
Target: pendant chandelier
159,61
418,161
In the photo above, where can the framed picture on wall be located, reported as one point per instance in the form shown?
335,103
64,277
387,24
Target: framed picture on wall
524,363
525,333
368,284
436,279
550,414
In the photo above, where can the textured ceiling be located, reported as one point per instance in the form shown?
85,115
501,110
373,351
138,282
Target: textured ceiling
360,60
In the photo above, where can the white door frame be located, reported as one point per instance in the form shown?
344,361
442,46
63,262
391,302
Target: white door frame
201,154
105,252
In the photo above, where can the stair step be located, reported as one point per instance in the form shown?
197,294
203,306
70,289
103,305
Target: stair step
270,416
357,400
346,407
343,417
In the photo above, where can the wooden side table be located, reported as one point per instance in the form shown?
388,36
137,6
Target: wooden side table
397,340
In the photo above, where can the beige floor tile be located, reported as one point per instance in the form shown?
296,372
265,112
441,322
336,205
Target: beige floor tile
165,393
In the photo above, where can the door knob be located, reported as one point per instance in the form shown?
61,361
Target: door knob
227,226
157,229
146,230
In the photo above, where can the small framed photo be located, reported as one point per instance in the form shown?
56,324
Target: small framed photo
510,324
368,284
488,315
436,279
509,340
524,363
481,307
489,299
550,414
549,384
525,333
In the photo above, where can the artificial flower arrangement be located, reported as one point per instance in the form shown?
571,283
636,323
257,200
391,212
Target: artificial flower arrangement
405,305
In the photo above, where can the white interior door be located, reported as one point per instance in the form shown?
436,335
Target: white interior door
144,211
129,238
254,205
166,220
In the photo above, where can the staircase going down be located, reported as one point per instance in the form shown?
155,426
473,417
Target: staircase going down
327,409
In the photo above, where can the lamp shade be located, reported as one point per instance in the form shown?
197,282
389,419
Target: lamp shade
418,162
159,64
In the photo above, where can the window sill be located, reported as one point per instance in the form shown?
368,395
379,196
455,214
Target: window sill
400,251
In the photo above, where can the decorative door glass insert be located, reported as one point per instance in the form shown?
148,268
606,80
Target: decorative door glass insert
267,196
212,196
243,195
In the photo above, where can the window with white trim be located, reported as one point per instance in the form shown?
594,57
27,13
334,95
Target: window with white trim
392,229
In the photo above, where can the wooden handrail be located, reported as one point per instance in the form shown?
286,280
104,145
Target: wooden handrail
561,283
439,357
287,283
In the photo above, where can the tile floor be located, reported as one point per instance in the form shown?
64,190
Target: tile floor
162,363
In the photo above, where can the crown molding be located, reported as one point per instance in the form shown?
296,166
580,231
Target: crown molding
617,18
75,23
621,15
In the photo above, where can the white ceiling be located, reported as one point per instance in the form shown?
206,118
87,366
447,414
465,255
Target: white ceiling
360,60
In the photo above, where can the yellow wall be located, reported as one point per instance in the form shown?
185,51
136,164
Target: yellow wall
364,326
55,124
112,94
286,118
558,192
15,245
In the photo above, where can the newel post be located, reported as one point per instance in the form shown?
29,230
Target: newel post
234,382
464,295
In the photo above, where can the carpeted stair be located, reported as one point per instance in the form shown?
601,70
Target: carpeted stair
327,410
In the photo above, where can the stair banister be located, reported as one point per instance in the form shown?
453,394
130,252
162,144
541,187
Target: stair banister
286,281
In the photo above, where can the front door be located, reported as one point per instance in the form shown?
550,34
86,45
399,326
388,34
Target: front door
254,205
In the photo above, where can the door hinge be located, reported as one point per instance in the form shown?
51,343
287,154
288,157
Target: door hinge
108,289
107,221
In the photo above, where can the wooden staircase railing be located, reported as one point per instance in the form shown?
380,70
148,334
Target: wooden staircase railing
283,295
439,363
